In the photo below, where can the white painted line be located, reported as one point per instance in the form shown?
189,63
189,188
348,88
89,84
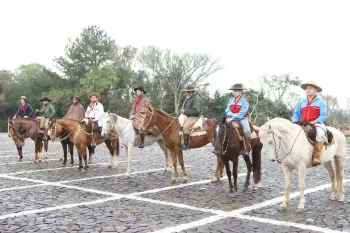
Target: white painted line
287,224
31,161
21,187
180,186
87,203
109,176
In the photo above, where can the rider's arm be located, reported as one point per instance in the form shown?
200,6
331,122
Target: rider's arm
297,113
52,111
196,108
244,109
323,113
228,109
17,111
30,111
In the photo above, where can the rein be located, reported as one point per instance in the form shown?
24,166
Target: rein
157,120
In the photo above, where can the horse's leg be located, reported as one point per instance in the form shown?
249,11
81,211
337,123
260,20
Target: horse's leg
71,148
64,147
46,146
330,170
256,159
249,170
80,155
235,171
84,155
110,148
91,153
219,169
19,149
339,167
228,173
302,175
174,159
287,176
182,164
167,156
40,149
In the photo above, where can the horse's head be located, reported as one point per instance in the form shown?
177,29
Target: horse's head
18,139
220,137
55,129
149,120
106,124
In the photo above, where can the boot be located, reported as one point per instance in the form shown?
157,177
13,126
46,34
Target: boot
246,143
142,139
186,139
316,153
94,139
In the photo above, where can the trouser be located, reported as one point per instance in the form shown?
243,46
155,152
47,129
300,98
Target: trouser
247,134
321,139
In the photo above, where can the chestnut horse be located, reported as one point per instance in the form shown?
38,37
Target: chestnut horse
78,134
29,128
228,146
169,127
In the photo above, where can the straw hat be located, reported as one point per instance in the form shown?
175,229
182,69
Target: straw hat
311,83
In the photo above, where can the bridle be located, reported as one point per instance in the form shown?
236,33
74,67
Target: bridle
151,119
225,138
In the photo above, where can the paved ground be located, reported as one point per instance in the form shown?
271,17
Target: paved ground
47,197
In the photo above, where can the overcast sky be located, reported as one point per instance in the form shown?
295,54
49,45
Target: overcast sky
309,39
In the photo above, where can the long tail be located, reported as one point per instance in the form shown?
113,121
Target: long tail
256,154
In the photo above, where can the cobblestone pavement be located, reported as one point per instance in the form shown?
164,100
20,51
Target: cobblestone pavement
48,197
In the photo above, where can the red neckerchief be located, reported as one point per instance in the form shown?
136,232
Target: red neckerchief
308,104
92,105
137,102
310,101
22,109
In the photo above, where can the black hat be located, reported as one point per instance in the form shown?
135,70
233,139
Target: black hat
45,98
141,89
237,86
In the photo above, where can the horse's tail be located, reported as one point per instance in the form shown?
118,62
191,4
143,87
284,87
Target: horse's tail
256,154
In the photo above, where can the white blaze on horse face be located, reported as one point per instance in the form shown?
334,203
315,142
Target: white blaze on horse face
105,125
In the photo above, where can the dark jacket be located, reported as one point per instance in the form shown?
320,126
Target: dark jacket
28,111
192,106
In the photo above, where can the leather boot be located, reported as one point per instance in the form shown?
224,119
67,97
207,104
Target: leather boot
246,143
316,154
185,145
142,140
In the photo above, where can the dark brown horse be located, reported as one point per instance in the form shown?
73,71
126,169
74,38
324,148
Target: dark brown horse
169,128
228,146
29,128
79,134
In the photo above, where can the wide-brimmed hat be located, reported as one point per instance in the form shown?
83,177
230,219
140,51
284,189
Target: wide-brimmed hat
94,94
311,83
45,98
237,86
141,89
77,97
190,88
22,97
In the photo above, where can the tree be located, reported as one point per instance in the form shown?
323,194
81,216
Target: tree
178,70
92,50
6,78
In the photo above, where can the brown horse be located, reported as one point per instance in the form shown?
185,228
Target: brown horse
79,135
29,128
228,146
18,140
169,127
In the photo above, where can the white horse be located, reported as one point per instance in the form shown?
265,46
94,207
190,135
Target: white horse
287,143
127,138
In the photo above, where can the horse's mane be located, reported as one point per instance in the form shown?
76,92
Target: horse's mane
162,113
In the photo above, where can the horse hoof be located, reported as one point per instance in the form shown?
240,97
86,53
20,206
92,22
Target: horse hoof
63,164
72,162
214,179
39,161
109,166
90,162
79,168
184,180
86,168
341,198
127,175
245,189
19,160
300,210
334,197
60,160
173,180
282,208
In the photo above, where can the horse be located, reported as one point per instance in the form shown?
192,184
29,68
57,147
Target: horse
169,127
123,127
29,128
285,143
78,134
227,144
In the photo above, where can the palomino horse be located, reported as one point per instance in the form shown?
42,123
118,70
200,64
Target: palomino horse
286,143
169,127
227,144
123,127
31,129
18,140
78,134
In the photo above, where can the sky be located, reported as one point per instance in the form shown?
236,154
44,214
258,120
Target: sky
309,39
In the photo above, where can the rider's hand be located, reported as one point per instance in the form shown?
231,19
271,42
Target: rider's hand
25,117
37,110
14,117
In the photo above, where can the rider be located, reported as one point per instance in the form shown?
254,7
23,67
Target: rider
138,111
25,110
46,112
192,109
76,110
313,109
95,111
237,110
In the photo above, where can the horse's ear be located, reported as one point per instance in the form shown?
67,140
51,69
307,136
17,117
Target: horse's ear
224,120
108,111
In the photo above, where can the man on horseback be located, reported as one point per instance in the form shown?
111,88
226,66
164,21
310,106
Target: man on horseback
46,112
313,109
25,110
95,111
191,108
76,110
138,111
237,110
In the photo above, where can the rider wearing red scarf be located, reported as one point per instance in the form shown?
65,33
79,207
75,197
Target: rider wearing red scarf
96,112
24,110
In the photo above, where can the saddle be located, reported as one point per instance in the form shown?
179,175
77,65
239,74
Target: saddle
41,123
199,128
310,132
239,129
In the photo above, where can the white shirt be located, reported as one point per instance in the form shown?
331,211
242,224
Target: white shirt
95,110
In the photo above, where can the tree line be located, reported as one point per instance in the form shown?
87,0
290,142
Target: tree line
94,62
